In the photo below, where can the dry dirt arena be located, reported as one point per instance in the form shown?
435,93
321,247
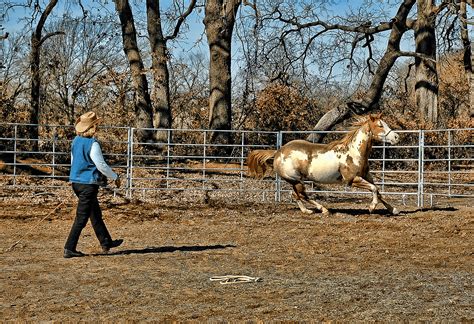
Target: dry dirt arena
349,266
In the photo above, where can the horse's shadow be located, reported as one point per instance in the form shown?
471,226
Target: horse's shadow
385,212
359,211
170,249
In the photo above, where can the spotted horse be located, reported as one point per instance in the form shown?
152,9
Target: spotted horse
342,161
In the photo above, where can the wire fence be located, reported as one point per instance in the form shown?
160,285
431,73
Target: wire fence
424,166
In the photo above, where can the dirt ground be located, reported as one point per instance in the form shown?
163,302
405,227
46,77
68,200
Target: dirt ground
348,266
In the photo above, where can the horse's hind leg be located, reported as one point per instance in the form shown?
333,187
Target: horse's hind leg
301,194
390,208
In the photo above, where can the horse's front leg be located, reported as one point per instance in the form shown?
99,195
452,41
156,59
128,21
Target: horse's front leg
390,208
362,183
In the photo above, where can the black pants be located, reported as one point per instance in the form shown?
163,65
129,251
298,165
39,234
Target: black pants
88,207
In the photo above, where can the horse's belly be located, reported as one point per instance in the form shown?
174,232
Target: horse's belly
324,169
288,168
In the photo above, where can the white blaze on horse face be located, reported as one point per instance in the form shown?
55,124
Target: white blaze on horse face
387,135
324,167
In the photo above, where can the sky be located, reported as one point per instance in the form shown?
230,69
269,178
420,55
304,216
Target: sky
190,43
12,22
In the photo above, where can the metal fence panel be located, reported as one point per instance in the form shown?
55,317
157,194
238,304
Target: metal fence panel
424,166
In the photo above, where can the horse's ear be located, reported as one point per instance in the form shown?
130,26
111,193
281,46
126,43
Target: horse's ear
375,117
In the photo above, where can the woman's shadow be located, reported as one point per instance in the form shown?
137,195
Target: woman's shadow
170,249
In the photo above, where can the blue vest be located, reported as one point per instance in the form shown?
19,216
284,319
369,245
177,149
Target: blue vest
83,169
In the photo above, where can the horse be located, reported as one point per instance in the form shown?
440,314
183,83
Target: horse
341,161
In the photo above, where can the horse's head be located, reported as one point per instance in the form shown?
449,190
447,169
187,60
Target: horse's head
381,131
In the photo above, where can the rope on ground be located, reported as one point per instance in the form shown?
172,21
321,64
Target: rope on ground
232,279
36,225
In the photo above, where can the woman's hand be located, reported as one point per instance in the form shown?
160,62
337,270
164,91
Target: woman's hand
118,182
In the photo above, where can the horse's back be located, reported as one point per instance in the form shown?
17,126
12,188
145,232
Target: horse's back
302,146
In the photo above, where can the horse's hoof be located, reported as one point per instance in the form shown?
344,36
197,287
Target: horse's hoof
307,211
395,211
325,212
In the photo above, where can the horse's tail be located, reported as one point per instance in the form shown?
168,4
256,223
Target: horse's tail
258,162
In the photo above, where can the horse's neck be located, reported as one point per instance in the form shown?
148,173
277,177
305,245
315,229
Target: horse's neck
361,142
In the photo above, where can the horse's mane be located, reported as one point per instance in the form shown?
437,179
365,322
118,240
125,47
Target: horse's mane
361,121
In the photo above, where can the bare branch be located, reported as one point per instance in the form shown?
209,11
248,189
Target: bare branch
363,28
181,19
49,35
251,5
44,16
413,54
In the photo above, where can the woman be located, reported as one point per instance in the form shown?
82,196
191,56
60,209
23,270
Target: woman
88,169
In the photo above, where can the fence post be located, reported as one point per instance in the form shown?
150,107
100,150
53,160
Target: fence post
279,140
383,166
55,136
168,160
421,153
129,162
242,158
14,154
204,155
449,163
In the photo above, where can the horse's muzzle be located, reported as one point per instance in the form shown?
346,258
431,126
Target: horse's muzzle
391,137
394,138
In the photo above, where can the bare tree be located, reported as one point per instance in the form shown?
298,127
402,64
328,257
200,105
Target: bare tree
399,25
219,23
14,77
188,90
78,63
162,117
150,114
36,41
426,86
423,25
468,50
142,101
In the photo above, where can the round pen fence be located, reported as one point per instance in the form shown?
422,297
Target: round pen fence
189,166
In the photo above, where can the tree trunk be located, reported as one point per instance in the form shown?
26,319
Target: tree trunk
426,86
35,85
471,81
142,101
219,24
468,55
373,94
36,41
160,92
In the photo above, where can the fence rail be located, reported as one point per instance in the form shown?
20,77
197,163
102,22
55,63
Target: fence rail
424,166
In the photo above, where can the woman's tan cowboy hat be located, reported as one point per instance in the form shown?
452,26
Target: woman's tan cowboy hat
86,121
